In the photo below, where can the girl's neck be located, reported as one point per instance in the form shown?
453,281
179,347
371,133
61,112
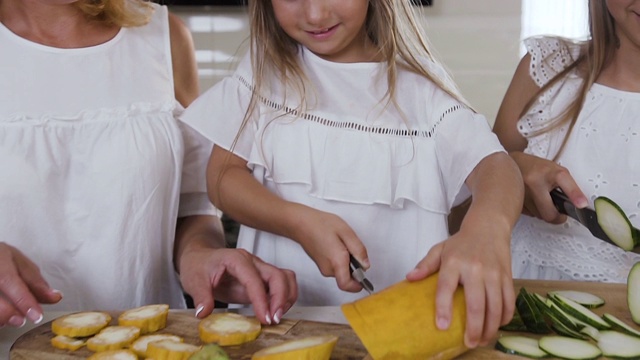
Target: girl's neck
623,72
61,26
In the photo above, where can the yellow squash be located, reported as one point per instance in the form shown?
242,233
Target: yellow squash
309,348
148,318
227,329
399,322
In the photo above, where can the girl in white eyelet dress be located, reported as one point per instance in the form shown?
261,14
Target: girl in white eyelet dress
341,169
600,155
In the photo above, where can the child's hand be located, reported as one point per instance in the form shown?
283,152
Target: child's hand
329,240
481,263
540,177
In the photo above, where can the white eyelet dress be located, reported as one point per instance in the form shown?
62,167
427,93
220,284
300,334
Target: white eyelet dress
92,158
601,157
391,177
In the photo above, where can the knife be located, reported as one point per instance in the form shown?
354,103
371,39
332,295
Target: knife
585,216
358,273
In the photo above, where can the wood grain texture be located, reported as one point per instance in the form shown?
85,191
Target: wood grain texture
35,344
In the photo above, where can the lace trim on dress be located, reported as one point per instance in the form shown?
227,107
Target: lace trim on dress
132,110
350,125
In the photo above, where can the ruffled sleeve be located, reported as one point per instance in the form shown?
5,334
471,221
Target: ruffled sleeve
549,57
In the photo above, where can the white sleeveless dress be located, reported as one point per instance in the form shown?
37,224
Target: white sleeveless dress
392,177
601,155
92,158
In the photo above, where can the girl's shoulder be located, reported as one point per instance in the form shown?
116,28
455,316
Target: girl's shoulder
550,55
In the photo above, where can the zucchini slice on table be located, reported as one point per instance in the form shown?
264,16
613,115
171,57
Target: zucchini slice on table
520,345
615,223
530,313
620,325
569,348
617,345
633,292
580,312
583,298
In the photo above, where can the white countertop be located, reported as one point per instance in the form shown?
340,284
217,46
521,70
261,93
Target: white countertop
330,314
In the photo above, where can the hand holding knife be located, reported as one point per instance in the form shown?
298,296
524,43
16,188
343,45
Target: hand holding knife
358,273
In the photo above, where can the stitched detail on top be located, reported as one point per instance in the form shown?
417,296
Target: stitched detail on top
350,125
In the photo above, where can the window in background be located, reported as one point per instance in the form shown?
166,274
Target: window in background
566,18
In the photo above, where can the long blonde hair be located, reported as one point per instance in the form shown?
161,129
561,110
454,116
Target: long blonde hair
596,53
392,26
125,13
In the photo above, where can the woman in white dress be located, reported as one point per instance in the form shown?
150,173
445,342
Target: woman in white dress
571,120
102,192
351,146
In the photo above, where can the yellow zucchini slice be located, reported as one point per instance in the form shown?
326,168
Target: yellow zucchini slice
67,343
140,345
309,348
113,338
149,318
80,324
400,323
170,350
121,354
228,329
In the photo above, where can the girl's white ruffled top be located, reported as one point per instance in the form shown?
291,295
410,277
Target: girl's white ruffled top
92,157
391,175
600,155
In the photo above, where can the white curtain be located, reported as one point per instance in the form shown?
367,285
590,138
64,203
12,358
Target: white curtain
566,18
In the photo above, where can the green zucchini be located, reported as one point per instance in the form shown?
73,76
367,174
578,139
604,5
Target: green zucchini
615,223
580,312
591,332
617,324
633,292
516,323
583,298
569,348
617,345
531,315
520,345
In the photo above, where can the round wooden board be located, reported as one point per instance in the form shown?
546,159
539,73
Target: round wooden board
36,343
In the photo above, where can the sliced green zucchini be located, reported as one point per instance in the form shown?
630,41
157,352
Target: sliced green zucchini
617,324
540,301
558,315
580,312
530,313
591,332
568,348
583,298
617,345
516,324
520,345
615,223
633,292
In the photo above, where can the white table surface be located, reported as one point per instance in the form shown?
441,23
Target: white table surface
330,314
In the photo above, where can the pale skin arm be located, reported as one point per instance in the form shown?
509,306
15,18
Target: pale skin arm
206,268
540,175
324,236
478,256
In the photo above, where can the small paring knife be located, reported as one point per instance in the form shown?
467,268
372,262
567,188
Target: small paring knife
585,216
358,273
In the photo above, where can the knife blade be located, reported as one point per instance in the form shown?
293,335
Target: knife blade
584,216
358,273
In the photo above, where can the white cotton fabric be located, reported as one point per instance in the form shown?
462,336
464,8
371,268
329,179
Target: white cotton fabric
92,157
393,179
601,157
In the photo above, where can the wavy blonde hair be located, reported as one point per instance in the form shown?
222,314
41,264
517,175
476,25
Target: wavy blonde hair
596,53
392,26
125,13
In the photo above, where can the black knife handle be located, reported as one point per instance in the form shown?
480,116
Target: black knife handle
560,200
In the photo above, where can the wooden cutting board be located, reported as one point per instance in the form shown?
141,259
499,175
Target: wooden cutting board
35,343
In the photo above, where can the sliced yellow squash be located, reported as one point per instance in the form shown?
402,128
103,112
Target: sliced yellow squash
121,354
140,345
399,322
170,350
228,329
113,338
149,318
67,343
309,348
80,324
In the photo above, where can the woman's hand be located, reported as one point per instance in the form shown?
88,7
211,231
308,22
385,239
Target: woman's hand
329,240
235,276
540,177
22,289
